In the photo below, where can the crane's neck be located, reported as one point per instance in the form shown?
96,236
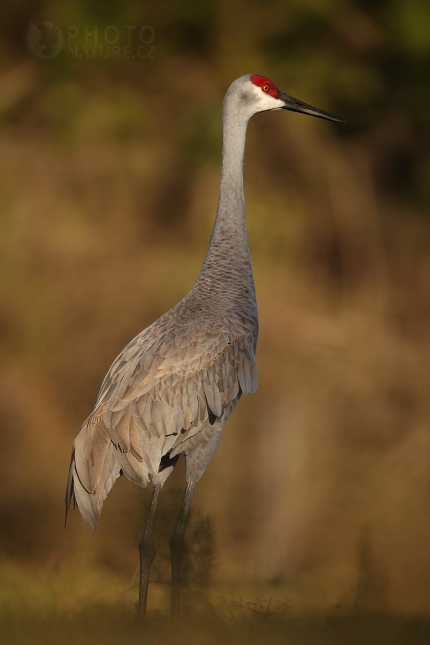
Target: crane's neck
228,258
230,220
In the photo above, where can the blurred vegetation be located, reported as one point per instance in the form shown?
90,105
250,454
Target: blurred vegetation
109,174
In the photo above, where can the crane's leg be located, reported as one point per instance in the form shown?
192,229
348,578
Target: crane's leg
177,546
147,551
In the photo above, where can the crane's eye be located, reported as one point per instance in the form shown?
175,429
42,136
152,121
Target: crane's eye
266,88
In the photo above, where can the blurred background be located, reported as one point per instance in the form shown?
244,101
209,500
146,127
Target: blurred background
110,139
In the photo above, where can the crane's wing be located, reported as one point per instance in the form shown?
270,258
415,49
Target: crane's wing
162,389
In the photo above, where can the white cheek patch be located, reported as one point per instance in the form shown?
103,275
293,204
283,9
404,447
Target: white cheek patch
265,101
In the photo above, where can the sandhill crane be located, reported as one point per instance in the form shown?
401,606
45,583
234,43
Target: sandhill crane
174,386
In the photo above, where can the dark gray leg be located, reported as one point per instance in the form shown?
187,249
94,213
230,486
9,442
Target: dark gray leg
177,546
147,551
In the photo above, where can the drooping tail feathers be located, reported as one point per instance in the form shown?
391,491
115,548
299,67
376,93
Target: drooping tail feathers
95,465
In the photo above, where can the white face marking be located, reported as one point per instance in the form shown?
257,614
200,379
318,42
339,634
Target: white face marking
264,101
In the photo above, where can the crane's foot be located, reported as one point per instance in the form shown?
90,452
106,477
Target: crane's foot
177,550
147,555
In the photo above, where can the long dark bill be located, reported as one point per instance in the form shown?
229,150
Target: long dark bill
294,105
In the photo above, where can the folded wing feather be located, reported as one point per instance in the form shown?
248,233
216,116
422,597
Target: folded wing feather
154,397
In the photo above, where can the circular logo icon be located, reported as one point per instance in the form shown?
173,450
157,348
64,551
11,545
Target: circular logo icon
44,40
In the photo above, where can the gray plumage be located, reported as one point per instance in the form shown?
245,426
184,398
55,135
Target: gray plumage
174,386
180,375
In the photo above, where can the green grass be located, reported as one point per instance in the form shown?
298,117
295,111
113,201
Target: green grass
106,624
89,605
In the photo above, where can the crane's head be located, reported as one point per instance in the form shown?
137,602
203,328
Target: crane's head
258,94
